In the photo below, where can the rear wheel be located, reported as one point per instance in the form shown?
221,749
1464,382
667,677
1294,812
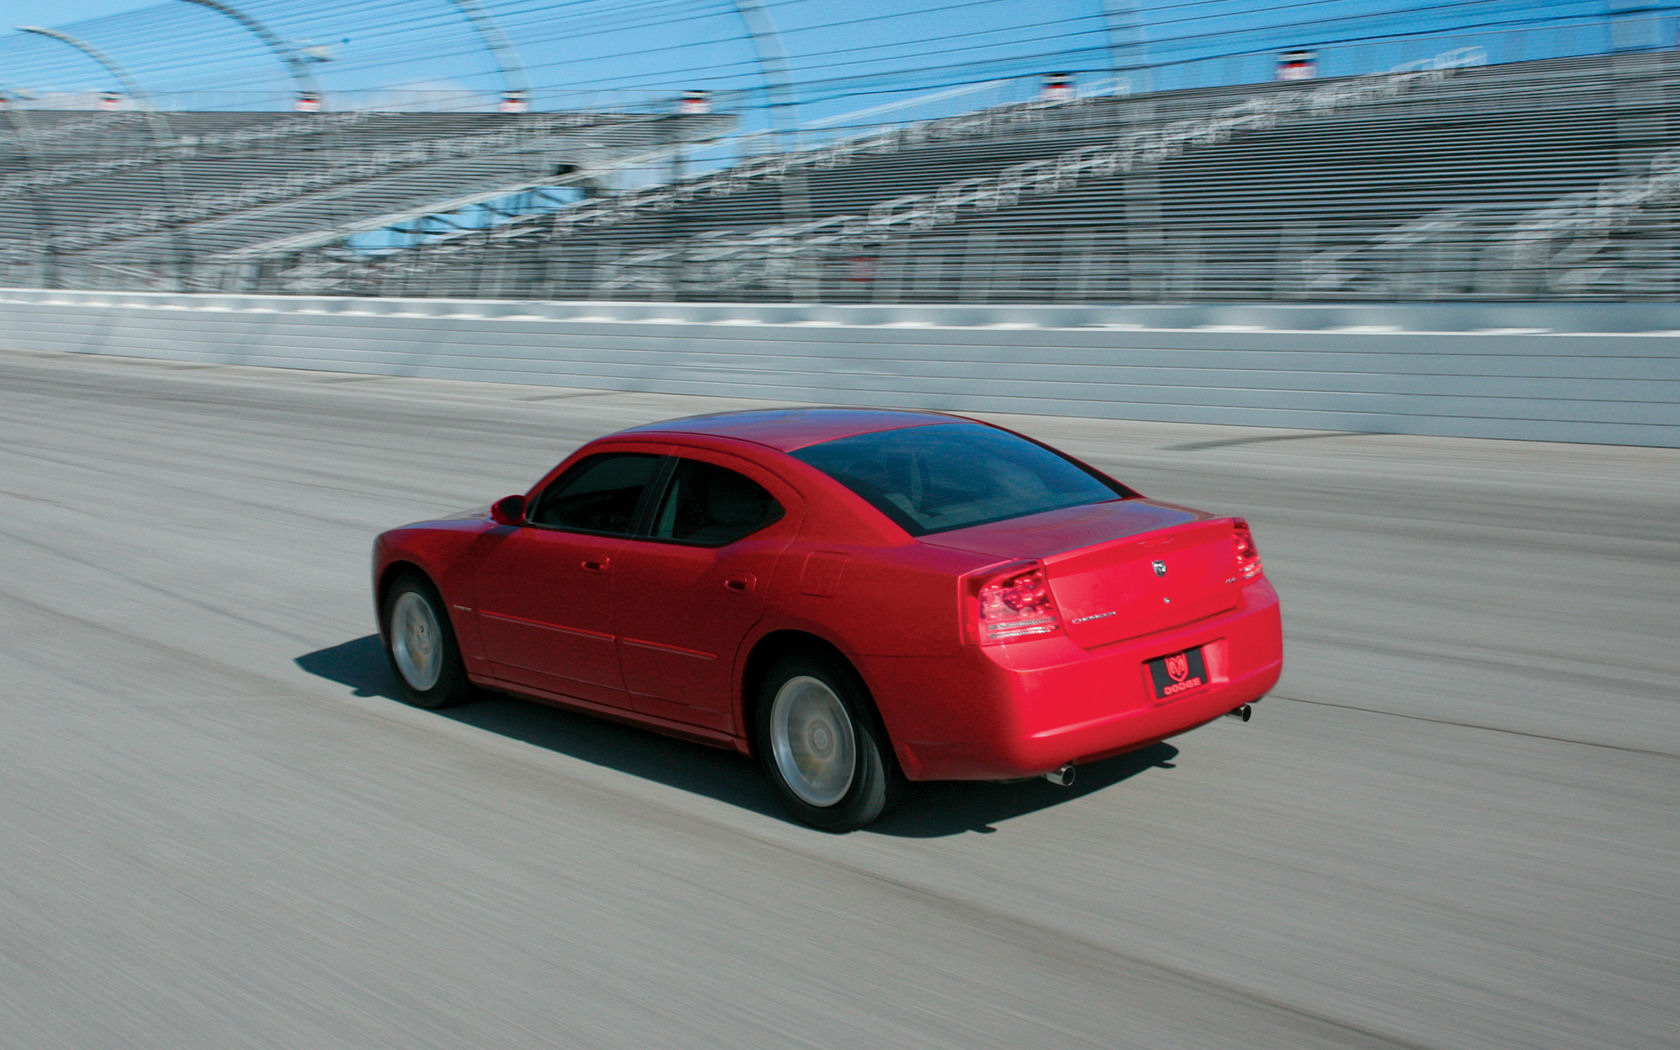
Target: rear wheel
421,645
823,748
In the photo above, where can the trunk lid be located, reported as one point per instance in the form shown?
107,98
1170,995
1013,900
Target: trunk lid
1119,570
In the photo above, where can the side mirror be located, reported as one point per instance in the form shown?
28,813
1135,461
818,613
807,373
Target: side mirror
509,510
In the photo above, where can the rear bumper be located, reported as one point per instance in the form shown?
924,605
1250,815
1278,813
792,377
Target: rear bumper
1018,710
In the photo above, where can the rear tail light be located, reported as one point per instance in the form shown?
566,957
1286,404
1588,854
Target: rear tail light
1248,555
1017,604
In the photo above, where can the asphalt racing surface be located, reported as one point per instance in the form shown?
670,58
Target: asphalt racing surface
1456,824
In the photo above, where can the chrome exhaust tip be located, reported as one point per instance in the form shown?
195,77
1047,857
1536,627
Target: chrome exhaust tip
1241,714
1062,777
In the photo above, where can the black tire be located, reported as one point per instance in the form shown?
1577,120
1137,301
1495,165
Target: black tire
420,643
822,745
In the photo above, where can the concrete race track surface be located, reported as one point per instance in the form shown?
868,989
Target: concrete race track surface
1456,825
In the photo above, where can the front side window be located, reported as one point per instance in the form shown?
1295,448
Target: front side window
598,494
950,476
709,506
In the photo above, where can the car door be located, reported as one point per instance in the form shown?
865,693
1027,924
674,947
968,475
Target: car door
687,596
546,588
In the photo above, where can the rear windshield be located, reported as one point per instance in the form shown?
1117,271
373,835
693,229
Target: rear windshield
950,476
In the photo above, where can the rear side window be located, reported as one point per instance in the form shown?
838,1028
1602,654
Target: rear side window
597,494
710,506
950,476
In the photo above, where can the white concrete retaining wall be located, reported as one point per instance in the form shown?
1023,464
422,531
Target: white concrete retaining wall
1604,373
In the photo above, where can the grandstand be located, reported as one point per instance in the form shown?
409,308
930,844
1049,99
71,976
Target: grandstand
1427,191
131,199
1447,179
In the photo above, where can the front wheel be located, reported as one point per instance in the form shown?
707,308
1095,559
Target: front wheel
822,746
421,645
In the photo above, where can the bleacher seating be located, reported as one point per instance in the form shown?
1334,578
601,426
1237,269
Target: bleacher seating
1468,182
1418,195
128,193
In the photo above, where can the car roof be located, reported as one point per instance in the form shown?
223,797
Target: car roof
789,429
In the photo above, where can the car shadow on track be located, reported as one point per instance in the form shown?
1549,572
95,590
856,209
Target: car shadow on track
929,810
953,807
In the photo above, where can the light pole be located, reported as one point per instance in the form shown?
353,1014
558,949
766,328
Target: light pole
296,66
156,121
129,85
516,90
778,85
308,92
1120,17
772,63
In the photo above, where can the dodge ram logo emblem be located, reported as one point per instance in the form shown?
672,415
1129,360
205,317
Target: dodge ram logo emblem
1178,667
1160,568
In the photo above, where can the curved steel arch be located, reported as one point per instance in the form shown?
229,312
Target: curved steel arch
773,67
767,48
296,66
156,121
514,81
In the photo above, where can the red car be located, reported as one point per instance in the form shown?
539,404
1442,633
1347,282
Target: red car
858,598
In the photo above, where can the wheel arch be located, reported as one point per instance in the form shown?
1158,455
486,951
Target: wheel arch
786,642
393,571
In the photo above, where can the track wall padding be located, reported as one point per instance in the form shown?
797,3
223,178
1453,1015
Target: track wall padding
1597,373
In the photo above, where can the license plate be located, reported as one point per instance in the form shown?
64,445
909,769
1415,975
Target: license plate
1178,673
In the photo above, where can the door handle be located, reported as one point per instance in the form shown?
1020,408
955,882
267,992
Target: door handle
596,564
741,582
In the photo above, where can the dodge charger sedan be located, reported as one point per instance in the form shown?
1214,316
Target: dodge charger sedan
857,598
